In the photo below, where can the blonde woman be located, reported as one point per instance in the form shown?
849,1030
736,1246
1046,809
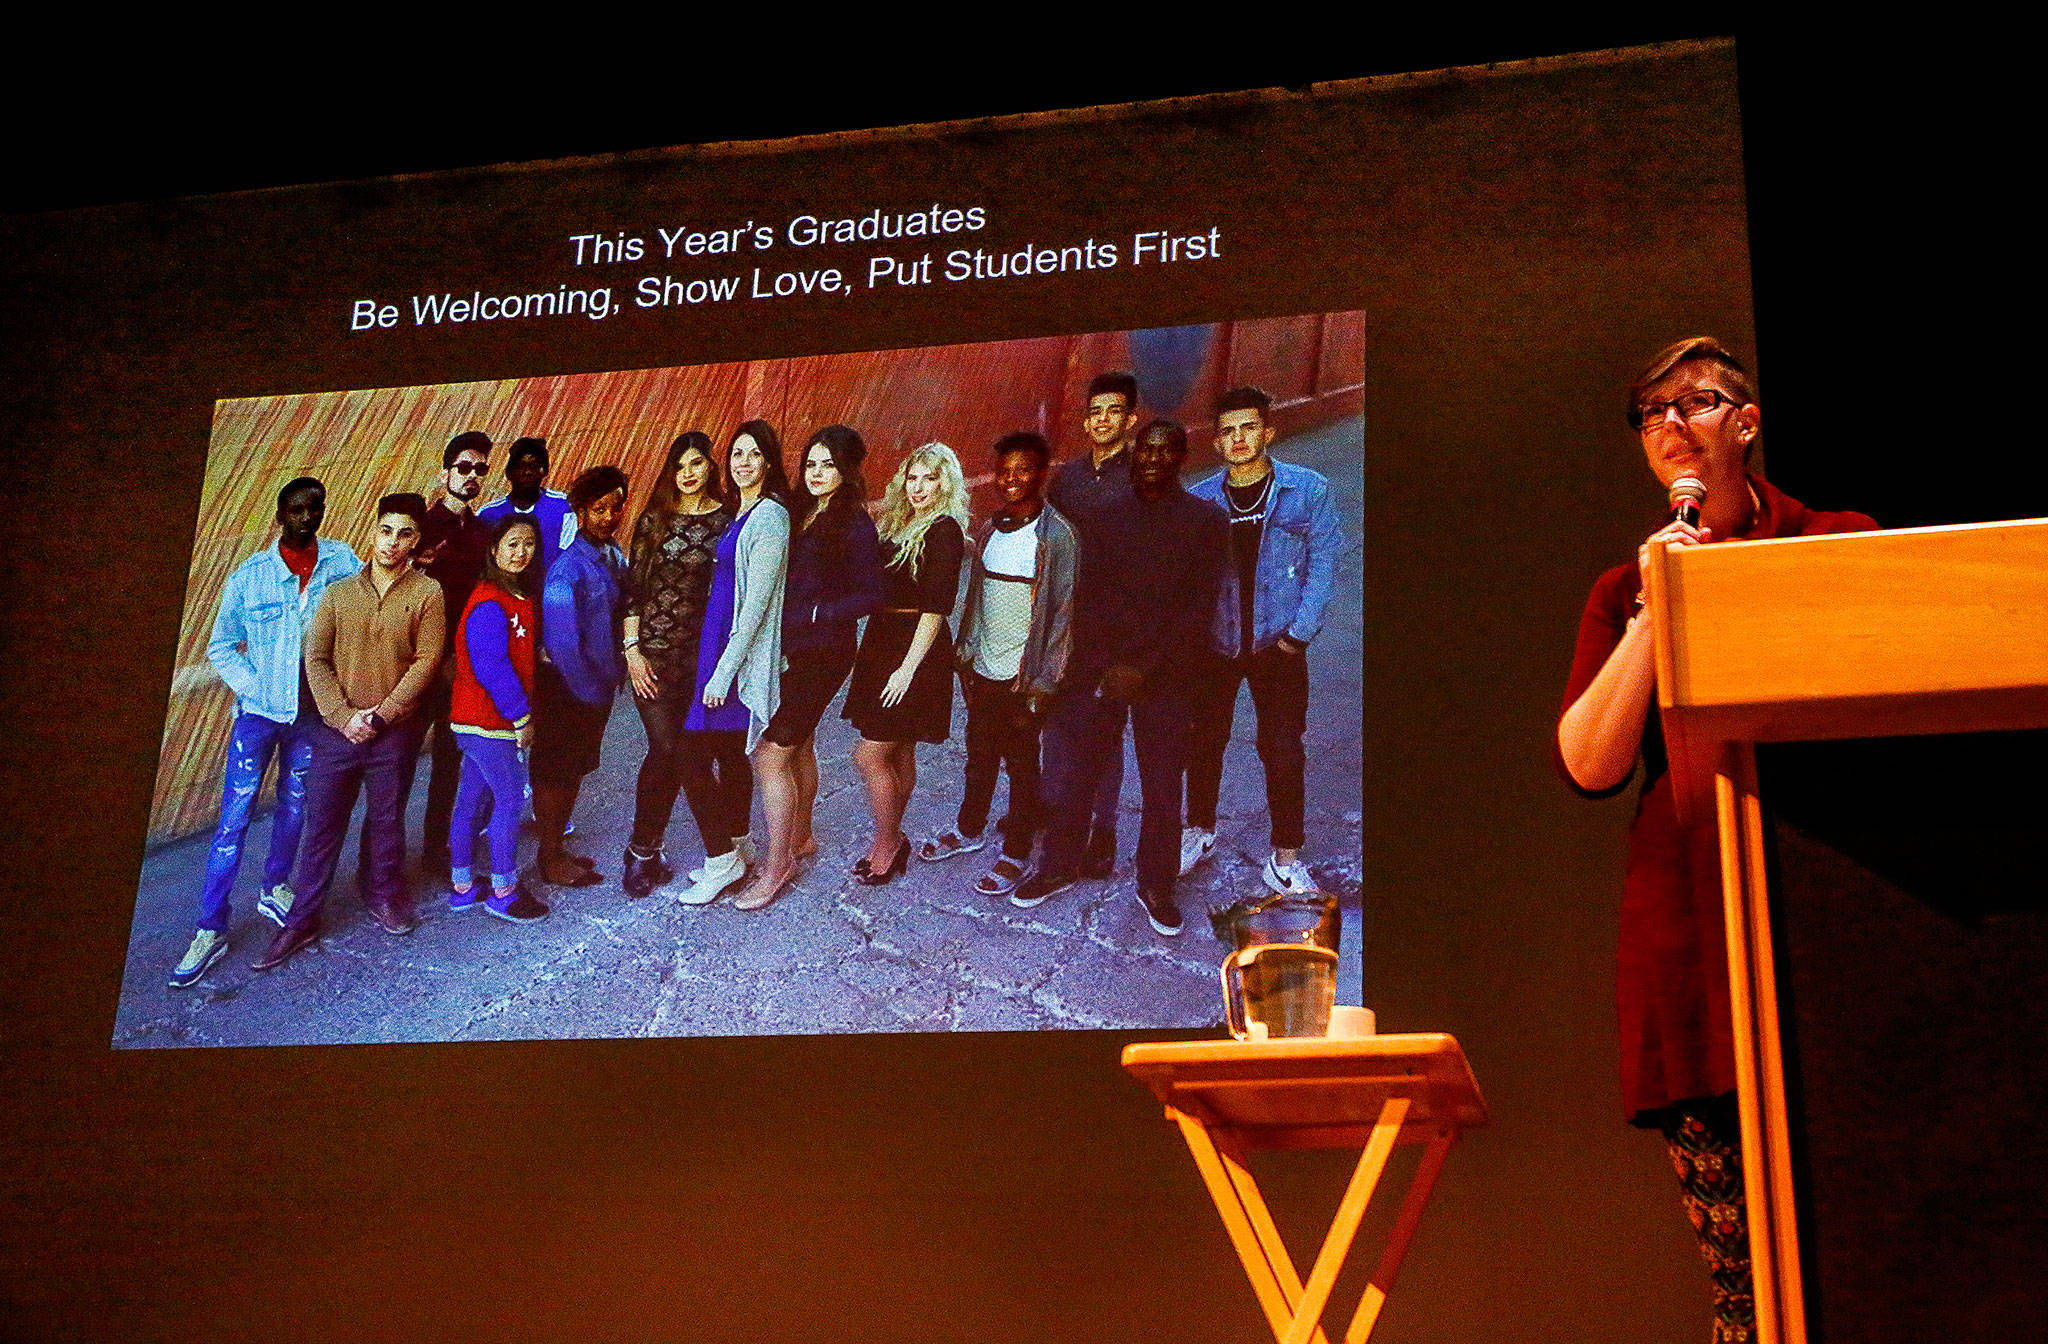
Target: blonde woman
902,691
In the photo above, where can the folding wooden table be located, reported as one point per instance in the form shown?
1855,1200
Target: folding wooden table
1230,1098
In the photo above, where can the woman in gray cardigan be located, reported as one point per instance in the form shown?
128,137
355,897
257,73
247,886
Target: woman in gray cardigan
745,658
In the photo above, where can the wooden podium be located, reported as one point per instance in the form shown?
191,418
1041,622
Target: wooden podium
1870,634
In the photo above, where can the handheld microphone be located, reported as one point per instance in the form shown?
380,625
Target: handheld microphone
1688,493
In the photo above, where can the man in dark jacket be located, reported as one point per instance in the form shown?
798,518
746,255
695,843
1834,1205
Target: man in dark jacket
1092,491
1141,611
453,542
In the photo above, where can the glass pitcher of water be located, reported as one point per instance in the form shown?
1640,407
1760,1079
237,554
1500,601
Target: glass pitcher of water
1280,978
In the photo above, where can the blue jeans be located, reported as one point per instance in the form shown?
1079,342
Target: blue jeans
250,746
340,769
1083,734
493,775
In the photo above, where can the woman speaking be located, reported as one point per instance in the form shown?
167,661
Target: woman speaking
1695,415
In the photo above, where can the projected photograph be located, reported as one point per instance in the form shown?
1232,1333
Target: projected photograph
962,688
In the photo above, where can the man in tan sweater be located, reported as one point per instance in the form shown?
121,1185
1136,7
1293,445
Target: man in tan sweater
371,655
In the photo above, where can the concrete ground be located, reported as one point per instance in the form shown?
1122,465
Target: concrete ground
924,953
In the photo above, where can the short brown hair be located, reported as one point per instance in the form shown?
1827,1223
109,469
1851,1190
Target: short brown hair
1704,349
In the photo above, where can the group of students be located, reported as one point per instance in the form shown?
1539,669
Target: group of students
1100,595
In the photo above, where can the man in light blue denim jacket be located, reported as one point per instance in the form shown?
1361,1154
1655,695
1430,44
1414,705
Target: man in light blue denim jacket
1284,542
258,637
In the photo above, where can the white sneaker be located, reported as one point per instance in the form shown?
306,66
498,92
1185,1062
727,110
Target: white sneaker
1288,879
1195,844
716,875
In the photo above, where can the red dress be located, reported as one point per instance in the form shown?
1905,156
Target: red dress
1677,1036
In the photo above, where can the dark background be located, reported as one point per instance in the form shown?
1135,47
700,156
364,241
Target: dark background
1020,1187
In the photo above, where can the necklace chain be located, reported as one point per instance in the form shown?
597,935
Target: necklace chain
1258,501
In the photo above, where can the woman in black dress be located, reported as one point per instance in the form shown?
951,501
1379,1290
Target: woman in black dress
834,579
902,691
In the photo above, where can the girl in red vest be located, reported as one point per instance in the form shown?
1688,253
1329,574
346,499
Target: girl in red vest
491,713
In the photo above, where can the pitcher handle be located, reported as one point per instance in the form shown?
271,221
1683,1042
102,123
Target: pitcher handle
1233,1015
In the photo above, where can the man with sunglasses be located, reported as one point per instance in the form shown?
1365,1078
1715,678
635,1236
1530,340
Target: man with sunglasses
1693,414
453,543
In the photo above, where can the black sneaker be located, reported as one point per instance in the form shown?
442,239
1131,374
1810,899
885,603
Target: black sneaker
1160,909
1100,858
1035,888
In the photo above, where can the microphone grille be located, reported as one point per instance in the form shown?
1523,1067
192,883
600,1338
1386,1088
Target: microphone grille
1689,487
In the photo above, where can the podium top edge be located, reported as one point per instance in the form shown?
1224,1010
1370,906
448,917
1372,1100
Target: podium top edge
2027,526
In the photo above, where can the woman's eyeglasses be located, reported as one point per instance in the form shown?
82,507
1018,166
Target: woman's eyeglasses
1691,406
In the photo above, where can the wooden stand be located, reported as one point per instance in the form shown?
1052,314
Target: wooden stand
1230,1098
1872,634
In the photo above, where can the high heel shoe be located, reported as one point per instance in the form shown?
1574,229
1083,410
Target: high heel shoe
764,893
895,869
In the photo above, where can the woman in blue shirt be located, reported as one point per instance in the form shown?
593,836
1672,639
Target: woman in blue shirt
582,608
739,654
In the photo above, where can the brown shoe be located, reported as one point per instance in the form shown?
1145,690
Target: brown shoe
395,918
562,869
288,943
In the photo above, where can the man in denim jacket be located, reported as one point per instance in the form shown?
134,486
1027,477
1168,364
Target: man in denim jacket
1284,541
258,638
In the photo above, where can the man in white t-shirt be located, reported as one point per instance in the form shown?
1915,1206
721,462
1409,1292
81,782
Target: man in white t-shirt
1015,635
